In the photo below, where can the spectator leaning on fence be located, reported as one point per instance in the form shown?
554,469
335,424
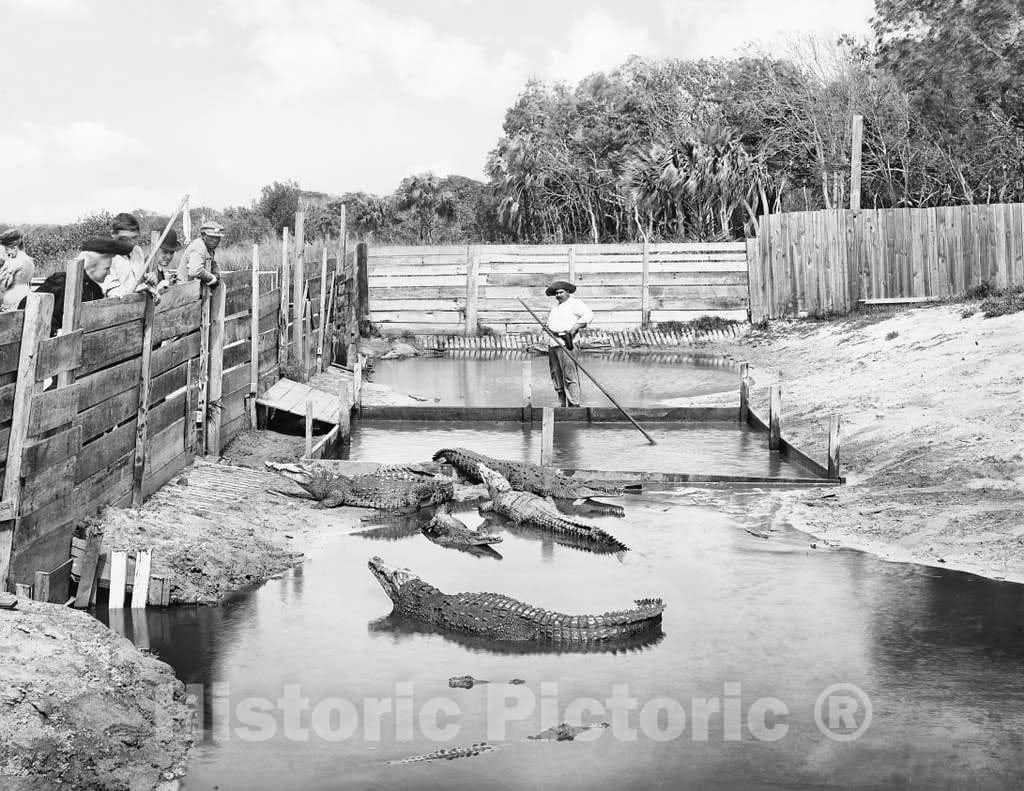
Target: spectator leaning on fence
16,271
198,261
96,255
126,271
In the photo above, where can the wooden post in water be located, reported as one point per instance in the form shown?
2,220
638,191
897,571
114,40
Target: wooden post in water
344,415
547,436
140,584
142,421
254,335
472,288
527,391
744,392
645,288
357,383
118,578
309,428
362,283
833,447
775,418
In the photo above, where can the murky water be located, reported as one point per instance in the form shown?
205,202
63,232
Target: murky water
762,627
723,448
496,378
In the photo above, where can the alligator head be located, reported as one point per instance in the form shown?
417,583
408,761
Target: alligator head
494,481
391,578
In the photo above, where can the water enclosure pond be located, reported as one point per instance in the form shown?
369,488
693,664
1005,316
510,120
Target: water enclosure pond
938,655
496,378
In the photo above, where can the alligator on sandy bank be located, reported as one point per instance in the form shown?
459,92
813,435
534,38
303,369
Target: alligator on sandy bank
446,530
524,507
527,477
564,732
501,617
393,489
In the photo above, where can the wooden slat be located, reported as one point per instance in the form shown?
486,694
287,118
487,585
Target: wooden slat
179,321
88,574
53,586
104,451
53,408
140,584
51,451
104,347
100,314
11,324
60,354
118,578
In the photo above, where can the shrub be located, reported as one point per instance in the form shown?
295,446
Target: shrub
890,335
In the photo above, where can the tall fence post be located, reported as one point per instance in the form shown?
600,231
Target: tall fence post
547,436
744,392
344,417
203,374
142,420
357,383
572,263
323,314
72,309
215,371
299,291
283,314
254,336
775,418
645,288
309,429
833,447
362,284
472,286
36,328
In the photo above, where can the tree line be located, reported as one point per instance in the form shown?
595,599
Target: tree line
674,149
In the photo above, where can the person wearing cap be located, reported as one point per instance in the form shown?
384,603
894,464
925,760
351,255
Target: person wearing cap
198,261
16,271
568,316
126,271
97,255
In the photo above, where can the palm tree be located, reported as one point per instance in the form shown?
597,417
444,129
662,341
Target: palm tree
424,196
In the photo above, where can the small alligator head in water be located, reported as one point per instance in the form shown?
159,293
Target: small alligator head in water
495,482
391,578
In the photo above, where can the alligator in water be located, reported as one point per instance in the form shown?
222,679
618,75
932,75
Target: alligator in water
394,489
524,507
467,682
503,618
563,732
527,477
446,530
449,754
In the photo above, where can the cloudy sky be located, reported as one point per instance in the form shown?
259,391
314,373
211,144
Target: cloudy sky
130,104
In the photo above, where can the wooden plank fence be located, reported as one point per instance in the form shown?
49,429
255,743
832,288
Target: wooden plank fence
132,391
827,262
458,289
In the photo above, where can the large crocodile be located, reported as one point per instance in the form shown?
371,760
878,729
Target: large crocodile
448,754
527,477
387,489
523,507
502,618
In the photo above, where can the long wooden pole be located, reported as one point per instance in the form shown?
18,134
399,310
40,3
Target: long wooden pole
160,240
590,376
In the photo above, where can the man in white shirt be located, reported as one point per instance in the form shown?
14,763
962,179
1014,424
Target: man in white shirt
567,317
17,269
126,271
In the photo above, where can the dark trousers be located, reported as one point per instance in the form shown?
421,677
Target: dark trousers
564,376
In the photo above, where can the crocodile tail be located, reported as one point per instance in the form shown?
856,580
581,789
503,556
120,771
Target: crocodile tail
463,460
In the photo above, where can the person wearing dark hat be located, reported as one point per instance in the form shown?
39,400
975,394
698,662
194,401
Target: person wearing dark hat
568,316
96,255
167,272
126,271
198,261
17,269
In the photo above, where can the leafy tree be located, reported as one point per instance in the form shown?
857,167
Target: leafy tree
426,200
278,202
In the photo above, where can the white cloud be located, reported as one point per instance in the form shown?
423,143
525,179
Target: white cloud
598,42
47,6
314,46
90,141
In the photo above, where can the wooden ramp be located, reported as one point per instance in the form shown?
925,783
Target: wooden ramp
291,397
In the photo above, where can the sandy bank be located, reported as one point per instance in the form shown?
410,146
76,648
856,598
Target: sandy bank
82,708
932,419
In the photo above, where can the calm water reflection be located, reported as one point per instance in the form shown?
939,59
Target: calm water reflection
938,653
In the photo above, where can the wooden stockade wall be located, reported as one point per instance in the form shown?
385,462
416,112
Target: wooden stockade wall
131,391
827,261
454,289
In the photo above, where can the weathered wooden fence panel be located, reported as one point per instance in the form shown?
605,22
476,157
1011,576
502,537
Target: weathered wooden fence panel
827,261
457,289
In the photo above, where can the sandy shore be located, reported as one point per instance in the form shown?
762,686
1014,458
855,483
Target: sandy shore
931,425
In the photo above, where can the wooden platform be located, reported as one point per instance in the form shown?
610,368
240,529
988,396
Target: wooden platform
291,397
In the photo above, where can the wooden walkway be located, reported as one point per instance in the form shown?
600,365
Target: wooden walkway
291,397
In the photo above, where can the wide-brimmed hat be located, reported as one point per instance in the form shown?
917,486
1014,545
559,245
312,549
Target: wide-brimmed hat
170,241
11,236
560,285
104,245
212,228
